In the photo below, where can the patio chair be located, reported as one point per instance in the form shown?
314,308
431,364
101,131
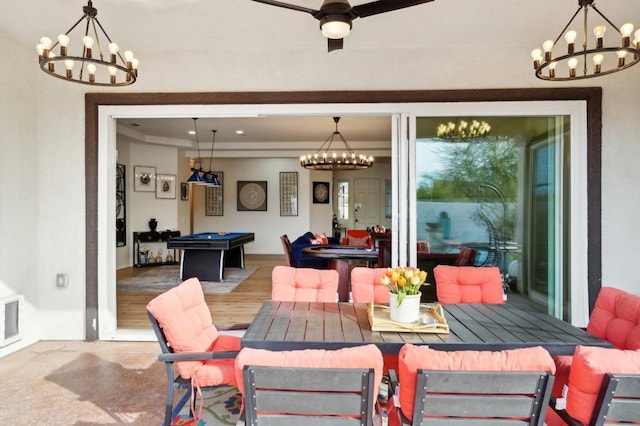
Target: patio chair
614,318
312,386
604,385
366,285
471,387
303,284
468,284
191,345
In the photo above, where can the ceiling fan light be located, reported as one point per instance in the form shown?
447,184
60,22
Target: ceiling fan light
335,26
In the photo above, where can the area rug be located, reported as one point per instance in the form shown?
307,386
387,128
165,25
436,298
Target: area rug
161,278
222,406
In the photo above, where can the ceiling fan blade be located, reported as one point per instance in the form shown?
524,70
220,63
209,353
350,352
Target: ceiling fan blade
313,12
334,44
382,6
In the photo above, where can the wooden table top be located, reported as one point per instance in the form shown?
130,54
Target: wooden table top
301,325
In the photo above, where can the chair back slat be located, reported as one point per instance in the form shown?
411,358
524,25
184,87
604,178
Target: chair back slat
482,397
309,396
619,399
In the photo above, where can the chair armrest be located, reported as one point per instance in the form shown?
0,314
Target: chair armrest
231,327
563,414
196,356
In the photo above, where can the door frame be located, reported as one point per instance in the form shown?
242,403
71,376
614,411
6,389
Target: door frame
95,230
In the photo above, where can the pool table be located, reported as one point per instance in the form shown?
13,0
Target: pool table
206,254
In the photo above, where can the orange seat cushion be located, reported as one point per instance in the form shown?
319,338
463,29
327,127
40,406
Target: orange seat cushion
411,358
186,322
366,356
616,318
468,284
303,284
589,365
367,286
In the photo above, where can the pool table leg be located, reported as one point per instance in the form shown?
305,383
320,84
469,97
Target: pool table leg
206,265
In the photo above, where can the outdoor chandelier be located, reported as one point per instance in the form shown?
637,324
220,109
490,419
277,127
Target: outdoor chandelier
323,160
208,178
595,57
90,65
462,130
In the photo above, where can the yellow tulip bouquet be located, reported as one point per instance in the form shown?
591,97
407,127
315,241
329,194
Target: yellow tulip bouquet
404,281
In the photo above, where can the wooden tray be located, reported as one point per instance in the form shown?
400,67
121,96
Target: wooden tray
432,320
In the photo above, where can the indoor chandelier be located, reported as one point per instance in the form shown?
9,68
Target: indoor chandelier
462,130
323,160
208,178
91,65
595,58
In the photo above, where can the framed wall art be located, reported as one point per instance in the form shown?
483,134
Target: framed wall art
184,191
252,195
144,178
321,192
121,206
214,198
288,193
165,186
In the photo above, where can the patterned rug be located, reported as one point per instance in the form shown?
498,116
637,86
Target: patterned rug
222,407
161,278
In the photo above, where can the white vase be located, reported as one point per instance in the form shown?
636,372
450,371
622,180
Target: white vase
409,309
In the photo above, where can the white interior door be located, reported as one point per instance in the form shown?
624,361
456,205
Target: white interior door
367,203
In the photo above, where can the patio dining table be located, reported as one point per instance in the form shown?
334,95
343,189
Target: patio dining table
301,325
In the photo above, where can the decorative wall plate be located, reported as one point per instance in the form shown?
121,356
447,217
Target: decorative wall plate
252,195
321,192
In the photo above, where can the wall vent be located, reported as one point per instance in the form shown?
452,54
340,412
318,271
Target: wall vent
11,319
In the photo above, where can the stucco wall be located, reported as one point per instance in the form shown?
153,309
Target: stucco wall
42,207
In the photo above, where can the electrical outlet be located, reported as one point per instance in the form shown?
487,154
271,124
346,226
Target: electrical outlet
62,280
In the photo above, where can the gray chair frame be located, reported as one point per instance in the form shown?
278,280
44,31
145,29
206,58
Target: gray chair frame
618,401
174,381
479,397
290,396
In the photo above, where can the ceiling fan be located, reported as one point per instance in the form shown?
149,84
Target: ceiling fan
335,16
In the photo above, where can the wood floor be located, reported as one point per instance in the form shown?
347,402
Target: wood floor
237,307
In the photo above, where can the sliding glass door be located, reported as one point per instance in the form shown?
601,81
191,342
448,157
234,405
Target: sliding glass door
500,185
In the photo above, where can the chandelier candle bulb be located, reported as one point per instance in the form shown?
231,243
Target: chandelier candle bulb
63,40
570,37
626,31
113,51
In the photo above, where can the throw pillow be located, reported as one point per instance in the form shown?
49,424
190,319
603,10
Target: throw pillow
357,242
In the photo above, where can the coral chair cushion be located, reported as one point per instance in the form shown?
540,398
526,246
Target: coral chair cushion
303,284
366,285
590,363
616,318
366,356
411,358
468,284
186,322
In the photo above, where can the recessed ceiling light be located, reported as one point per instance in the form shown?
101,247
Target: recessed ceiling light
240,132
135,124
192,132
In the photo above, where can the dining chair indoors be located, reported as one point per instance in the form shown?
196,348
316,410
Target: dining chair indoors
288,251
468,284
196,356
312,386
290,284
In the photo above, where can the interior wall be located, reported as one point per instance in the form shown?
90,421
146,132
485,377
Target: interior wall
143,206
19,207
